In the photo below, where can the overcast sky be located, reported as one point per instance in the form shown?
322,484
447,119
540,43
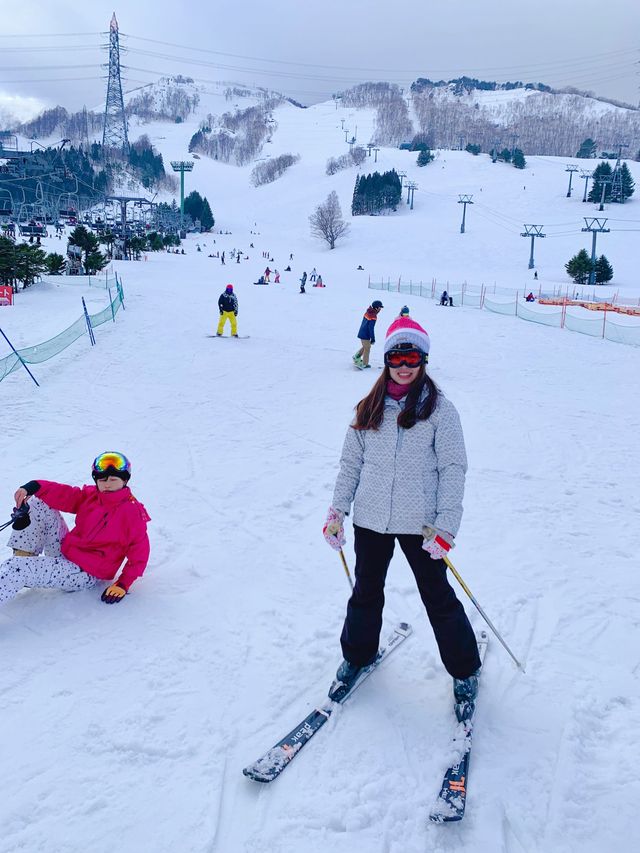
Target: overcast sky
50,49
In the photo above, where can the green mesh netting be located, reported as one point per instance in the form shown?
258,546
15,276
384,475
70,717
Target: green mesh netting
47,349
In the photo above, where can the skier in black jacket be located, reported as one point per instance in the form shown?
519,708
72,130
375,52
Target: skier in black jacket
228,306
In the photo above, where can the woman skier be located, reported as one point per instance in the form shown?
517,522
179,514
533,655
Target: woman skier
403,467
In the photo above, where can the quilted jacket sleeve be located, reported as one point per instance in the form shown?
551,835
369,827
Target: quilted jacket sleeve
350,467
452,467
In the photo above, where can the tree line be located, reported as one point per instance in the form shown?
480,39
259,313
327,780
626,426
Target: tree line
376,192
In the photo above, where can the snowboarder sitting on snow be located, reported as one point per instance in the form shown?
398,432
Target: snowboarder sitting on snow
445,299
366,334
403,468
261,280
530,297
228,307
319,282
111,526
287,269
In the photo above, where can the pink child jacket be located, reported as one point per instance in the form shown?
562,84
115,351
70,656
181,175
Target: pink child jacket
110,526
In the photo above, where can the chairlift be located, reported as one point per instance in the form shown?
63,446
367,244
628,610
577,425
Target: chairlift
6,203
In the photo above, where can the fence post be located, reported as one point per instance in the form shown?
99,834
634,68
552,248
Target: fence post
113,313
120,291
604,321
86,317
517,292
399,278
462,295
22,361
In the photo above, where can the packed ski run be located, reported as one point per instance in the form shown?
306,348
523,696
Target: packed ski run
149,710
272,763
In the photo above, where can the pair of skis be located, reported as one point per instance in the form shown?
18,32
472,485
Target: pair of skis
451,801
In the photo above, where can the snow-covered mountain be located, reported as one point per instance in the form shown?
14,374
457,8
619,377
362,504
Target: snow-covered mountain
449,115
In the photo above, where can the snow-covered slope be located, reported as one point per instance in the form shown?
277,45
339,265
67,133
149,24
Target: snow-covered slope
126,728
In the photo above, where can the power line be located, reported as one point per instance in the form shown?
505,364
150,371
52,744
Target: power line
587,60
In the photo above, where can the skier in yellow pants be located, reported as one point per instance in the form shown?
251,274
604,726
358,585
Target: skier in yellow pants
228,307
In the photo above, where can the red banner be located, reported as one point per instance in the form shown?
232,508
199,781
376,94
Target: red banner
6,295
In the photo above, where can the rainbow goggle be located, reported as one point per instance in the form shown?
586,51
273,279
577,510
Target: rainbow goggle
111,461
405,358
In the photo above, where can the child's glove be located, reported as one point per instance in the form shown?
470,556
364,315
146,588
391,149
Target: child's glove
113,594
333,529
437,543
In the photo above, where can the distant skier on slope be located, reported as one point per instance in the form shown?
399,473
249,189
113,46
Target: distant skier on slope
111,525
228,307
403,467
303,282
366,334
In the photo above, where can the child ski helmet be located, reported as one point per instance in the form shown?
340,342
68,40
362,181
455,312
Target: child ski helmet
111,464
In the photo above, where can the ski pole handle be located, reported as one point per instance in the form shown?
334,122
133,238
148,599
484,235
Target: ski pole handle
456,574
346,568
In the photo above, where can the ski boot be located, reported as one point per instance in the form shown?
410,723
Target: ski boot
345,678
465,691
357,360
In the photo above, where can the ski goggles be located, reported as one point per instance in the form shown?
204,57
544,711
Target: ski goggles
405,358
111,461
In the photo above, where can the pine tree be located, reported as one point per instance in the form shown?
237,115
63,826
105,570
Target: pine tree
94,260
424,157
579,267
603,270
628,184
55,263
355,203
30,263
587,150
7,260
518,159
193,205
602,170
206,216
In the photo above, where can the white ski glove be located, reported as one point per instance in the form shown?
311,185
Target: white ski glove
437,543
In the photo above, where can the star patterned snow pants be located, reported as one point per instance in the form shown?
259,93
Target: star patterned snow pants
48,569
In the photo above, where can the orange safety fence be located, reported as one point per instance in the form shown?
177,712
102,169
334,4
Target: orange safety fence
591,306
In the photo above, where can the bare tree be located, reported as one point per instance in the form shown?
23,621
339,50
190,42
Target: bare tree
327,222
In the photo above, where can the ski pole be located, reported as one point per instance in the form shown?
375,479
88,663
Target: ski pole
346,568
456,574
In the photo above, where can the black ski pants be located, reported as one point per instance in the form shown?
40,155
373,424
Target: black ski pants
361,631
